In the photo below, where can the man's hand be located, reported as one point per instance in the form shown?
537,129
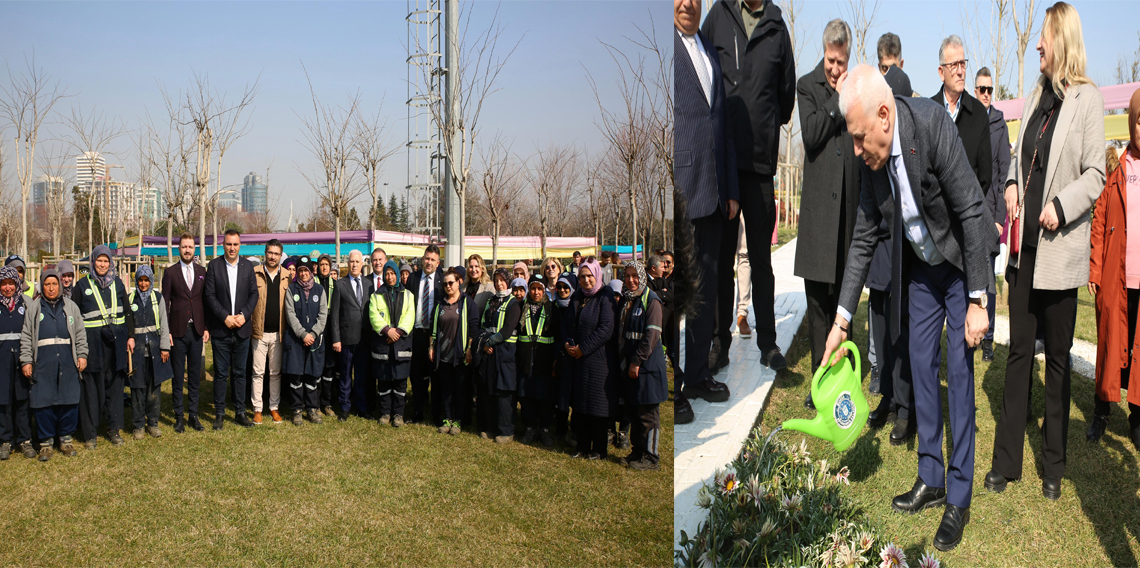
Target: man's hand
1093,288
82,364
1011,201
309,339
165,356
240,319
1000,228
839,82
733,208
336,347
205,336
1049,218
131,345
393,335
28,371
977,321
633,370
835,338
231,322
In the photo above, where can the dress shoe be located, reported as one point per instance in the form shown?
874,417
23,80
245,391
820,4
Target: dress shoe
876,383
342,416
996,482
742,327
116,439
195,423
179,425
257,418
1096,428
949,533
276,416
881,414
904,430
987,350
709,389
219,423
1051,487
682,410
773,359
809,403
243,420
920,497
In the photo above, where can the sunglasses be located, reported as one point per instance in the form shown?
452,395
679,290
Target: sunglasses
985,90
562,287
449,283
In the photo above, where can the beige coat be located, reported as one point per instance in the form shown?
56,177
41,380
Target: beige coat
1075,176
259,311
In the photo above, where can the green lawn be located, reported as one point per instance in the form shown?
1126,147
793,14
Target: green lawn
1095,523
334,494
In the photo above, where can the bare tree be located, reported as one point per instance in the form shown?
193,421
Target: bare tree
791,12
373,144
170,156
25,103
328,135
500,186
861,17
473,76
1128,67
658,86
1023,27
551,178
230,127
91,135
58,174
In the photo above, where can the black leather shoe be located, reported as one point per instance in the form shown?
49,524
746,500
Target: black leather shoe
881,415
1051,487
180,425
773,359
809,403
195,423
682,410
219,422
1096,428
709,389
920,497
949,533
243,420
987,350
996,482
876,386
904,430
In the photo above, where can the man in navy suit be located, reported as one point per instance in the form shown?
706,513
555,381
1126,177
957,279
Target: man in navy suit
426,286
705,172
231,297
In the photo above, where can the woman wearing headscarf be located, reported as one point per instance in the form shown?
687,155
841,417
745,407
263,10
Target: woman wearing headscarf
535,359
405,272
564,371
303,352
18,263
551,270
392,313
149,345
521,270
454,326
589,343
642,365
67,277
102,299
1056,173
477,285
497,386
53,353
15,422
1114,279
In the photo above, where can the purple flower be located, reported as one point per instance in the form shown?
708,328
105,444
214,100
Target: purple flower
893,557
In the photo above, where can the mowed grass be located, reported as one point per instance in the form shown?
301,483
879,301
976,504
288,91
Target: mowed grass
334,494
1095,523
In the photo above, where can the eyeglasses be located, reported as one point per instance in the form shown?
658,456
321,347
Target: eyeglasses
667,262
449,283
985,90
551,267
956,65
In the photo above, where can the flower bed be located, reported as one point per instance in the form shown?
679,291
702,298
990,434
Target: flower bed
775,506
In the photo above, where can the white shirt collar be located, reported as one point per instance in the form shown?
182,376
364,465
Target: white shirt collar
896,143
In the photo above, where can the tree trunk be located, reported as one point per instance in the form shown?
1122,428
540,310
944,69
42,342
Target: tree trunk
338,240
170,239
217,192
494,242
633,210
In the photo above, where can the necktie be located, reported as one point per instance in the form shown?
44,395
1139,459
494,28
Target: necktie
359,293
424,315
188,274
897,237
703,75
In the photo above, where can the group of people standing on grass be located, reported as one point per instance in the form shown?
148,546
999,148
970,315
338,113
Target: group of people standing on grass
584,357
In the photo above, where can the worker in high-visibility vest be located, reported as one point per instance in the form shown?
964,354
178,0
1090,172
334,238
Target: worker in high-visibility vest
392,314
18,263
641,358
455,322
101,298
149,346
327,277
535,358
497,377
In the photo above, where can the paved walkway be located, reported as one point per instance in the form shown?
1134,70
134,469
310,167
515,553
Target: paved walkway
719,431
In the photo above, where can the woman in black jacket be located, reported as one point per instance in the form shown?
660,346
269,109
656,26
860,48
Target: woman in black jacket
454,326
594,394
564,371
498,384
642,365
536,360
15,421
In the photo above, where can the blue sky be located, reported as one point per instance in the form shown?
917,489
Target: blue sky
114,54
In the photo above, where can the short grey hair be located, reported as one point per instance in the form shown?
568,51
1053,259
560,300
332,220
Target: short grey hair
357,253
655,261
951,40
837,33
866,85
890,46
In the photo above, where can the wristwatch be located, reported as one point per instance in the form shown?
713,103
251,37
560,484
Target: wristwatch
982,301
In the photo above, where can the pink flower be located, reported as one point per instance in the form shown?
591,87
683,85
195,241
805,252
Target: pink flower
929,561
843,476
893,557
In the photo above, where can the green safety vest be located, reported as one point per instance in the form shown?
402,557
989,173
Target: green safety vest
105,316
531,335
154,306
332,286
503,318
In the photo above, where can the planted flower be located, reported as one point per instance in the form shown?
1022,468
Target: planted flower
893,557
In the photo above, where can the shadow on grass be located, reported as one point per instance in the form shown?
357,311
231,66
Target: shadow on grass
863,459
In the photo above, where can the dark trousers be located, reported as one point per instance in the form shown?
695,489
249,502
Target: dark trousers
699,328
14,418
352,369
645,437
421,373
1102,407
938,294
364,390
487,405
186,360
305,391
101,396
590,433
230,356
59,420
504,402
893,357
537,413
329,380
447,386
991,301
725,313
144,401
390,397
822,303
758,205
1055,309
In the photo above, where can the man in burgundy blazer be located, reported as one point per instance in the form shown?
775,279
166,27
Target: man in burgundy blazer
183,284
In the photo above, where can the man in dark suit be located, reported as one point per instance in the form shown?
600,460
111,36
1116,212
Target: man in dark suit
759,70
999,146
182,286
231,297
705,170
918,179
347,320
426,285
364,395
830,195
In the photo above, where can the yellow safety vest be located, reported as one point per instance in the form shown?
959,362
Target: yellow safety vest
105,316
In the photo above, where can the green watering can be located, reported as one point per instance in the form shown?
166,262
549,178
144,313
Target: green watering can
838,395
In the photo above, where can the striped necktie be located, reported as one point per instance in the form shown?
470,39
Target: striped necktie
424,311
